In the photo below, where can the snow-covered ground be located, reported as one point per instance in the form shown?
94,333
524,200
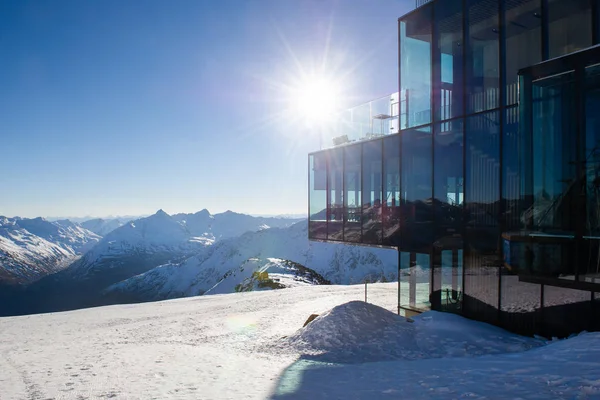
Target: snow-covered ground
252,345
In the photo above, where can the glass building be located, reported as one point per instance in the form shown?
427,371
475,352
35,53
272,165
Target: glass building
483,170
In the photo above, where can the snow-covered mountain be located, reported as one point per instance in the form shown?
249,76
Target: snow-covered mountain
102,226
132,249
228,224
33,248
337,263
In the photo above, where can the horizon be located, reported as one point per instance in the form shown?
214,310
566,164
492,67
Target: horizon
109,111
74,218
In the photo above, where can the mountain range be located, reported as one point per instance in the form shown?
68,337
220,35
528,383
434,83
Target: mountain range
168,256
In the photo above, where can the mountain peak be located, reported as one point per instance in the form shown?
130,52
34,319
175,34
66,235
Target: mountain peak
161,213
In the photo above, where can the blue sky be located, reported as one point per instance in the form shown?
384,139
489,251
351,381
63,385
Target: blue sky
124,107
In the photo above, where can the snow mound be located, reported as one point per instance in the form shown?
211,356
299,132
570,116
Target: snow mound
357,332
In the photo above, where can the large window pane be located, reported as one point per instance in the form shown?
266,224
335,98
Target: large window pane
592,149
372,192
482,180
448,173
482,274
554,154
391,190
523,31
352,198
570,26
414,277
448,57
483,78
335,197
415,68
520,303
512,178
317,184
417,213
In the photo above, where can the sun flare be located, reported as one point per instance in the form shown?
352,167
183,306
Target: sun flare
315,99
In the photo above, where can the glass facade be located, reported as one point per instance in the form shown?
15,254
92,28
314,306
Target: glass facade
489,183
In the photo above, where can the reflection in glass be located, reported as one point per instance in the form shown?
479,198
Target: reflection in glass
335,197
391,190
554,154
352,198
417,213
414,277
448,83
566,310
520,303
415,68
523,32
483,78
448,173
569,26
592,172
482,178
482,273
317,184
512,143
372,192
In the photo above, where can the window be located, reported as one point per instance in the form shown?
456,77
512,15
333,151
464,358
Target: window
523,33
372,192
415,68
483,77
391,190
448,58
417,213
352,197
569,26
482,180
335,199
317,196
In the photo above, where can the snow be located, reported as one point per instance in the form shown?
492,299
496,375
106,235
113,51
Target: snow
338,263
252,345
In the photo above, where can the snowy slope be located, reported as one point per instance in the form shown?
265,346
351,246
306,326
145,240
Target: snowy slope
33,248
338,263
252,346
127,251
102,226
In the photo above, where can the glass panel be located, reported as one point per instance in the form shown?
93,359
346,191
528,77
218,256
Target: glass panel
352,198
414,281
448,175
448,90
447,277
512,145
482,178
592,170
592,150
417,213
415,68
523,31
520,303
567,310
569,26
554,154
391,190
372,192
482,267
335,198
483,79
317,184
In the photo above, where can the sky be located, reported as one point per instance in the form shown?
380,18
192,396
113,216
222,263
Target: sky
123,108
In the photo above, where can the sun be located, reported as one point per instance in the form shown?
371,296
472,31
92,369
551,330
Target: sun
315,99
